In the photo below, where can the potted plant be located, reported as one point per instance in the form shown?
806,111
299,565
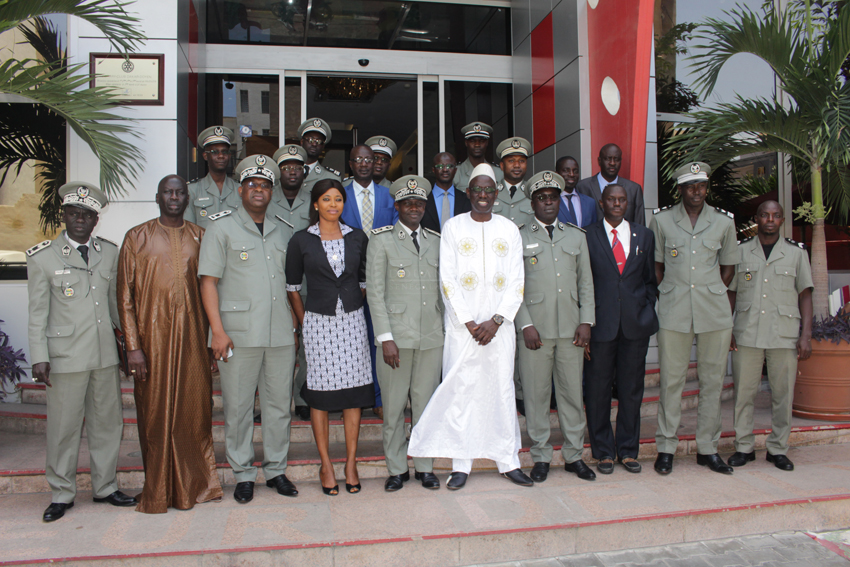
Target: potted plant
822,390
10,368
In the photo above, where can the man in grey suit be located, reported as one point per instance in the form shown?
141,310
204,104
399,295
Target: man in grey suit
610,159
72,307
402,264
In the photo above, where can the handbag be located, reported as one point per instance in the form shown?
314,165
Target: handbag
121,343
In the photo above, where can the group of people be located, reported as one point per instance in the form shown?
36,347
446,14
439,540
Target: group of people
470,300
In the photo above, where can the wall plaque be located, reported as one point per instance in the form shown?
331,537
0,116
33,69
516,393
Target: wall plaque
136,80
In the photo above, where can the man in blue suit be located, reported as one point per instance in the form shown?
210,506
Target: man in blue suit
368,206
622,259
576,208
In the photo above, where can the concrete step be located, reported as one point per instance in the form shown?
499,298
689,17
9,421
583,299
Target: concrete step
31,418
22,455
489,521
35,393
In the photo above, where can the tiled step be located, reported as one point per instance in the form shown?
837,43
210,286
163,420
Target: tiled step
31,418
35,393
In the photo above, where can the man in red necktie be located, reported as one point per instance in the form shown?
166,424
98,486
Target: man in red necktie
621,259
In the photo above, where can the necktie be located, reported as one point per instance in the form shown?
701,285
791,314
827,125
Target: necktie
569,198
366,215
513,190
551,230
415,242
445,210
617,248
84,252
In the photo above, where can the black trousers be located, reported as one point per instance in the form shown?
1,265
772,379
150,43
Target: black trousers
622,360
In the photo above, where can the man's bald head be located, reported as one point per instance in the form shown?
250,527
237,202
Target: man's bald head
770,205
176,178
172,196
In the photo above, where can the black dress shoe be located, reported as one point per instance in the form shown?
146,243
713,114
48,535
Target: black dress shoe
55,511
518,477
457,480
714,462
396,482
781,462
244,492
429,480
664,463
520,407
117,498
740,459
303,412
539,472
605,465
630,464
582,470
283,485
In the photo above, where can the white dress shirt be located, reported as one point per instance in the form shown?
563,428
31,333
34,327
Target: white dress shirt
624,235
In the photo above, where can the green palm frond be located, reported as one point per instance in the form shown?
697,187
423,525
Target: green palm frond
109,16
85,109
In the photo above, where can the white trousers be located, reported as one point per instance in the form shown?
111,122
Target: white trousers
465,465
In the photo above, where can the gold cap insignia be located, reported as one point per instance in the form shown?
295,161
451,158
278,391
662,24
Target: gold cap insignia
411,184
515,144
694,168
218,131
82,192
293,150
476,128
317,123
382,142
547,176
261,160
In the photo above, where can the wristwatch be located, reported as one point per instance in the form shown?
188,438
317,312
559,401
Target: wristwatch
498,319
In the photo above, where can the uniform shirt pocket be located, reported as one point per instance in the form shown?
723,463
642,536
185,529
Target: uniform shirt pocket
786,277
789,321
674,253
68,286
56,346
747,275
531,258
243,252
570,257
235,316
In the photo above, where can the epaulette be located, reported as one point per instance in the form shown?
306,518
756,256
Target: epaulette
520,226
194,180
746,240
102,239
656,211
332,170
219,215
727,213
382,229
575,226
38,247
799,245
281,219
434,232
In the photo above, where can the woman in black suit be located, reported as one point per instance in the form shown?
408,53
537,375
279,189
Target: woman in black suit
332,256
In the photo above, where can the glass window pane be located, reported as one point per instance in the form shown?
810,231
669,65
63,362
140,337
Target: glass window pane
431,127
292,111
467,102
238,100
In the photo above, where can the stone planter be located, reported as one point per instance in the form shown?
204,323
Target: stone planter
822,390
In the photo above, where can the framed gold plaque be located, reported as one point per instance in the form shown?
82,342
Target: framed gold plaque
138,79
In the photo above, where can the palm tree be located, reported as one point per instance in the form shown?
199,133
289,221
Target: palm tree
63,91
812,124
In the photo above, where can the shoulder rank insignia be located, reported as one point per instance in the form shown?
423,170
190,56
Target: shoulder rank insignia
434,232
219,215
38,247
102,239
656,211
332,170
722,212
746,239
281,219
520,226
575,226
382,229
193,181
799,245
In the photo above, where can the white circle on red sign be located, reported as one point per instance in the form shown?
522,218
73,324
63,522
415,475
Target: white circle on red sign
610,96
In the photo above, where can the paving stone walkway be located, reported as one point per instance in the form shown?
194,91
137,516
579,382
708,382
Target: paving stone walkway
786,549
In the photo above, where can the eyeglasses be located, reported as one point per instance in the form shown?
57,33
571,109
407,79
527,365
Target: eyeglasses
313,140
291,167
382,159
483,189
543,197
217,152
445,166
363,160
255,185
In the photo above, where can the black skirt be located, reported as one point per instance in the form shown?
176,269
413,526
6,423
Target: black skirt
338,400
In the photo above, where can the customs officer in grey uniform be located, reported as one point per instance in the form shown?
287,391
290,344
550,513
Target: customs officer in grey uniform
402,264
384,150
695,257
291,202
477,138
553,326
243,288
217,191
771,294
72,310
314,134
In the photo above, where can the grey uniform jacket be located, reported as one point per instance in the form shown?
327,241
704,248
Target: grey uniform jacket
404,287
205,199
558,282
72,307
252,286
297,215
692,294
517,209
317,173
767,312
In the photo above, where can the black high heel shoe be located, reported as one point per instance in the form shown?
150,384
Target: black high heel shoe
352,488
333,491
